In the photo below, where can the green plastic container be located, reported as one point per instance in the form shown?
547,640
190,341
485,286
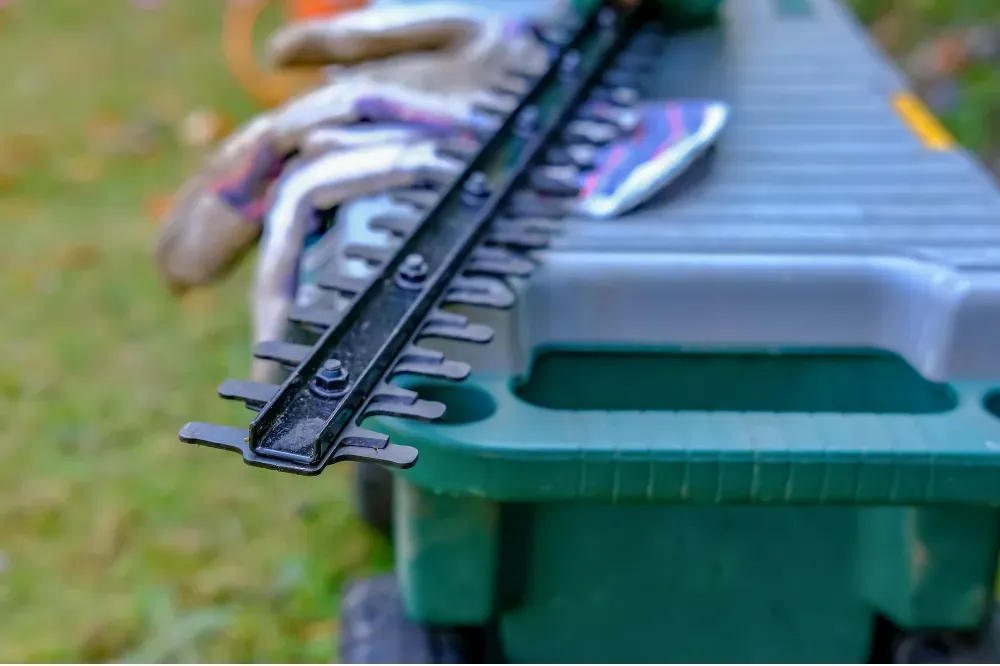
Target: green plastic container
708,507
628,504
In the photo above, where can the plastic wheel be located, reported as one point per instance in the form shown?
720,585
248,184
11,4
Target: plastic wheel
375,630
917,649
951,648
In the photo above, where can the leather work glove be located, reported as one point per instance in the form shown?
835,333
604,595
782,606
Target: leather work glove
427,68
438,47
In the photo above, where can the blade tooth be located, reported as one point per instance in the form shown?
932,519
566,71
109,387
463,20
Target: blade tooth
477,283
527,204
516,82
548,182
517,237
545,227
391,455
428,363
579,156
488,112
480,299
420,410
496,102
390,392
492,253
623,96
343,284
422,200
286,353
598,133
394,224
443,317
455,370
453,326
499,266
236,440
254,394
515,86
533,225
415,353
372,254
227,438
434,181
357,436
479,333
542,226
480,290
313,316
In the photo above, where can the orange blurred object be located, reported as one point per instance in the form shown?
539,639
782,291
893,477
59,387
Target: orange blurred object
303,10
269,88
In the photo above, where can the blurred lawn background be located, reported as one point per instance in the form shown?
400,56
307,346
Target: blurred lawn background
117,543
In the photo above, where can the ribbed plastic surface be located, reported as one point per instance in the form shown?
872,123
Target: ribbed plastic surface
823,219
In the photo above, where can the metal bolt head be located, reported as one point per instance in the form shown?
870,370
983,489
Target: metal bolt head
331,380
477,184
526,123
333,367
412,272
570,64
476,189
413,268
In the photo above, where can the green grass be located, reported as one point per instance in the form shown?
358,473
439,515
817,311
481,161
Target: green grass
974,118
117,541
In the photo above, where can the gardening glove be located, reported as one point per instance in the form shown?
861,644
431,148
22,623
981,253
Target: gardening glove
431,66
440,47
320,183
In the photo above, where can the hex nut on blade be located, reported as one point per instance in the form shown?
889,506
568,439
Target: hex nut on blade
412,272
476,189
331,380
